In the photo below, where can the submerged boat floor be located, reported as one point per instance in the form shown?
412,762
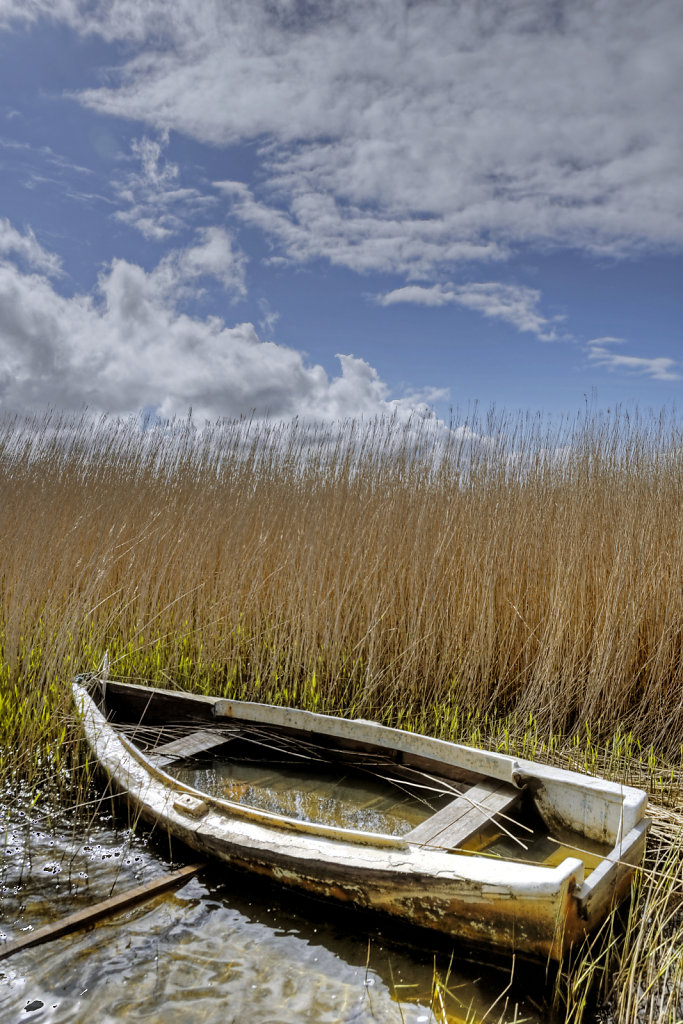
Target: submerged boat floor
326,796
364,796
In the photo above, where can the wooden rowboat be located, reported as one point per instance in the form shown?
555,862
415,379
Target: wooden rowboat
495,851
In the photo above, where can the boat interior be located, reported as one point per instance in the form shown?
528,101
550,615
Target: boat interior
343,783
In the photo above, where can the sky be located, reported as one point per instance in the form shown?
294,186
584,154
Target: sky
342,208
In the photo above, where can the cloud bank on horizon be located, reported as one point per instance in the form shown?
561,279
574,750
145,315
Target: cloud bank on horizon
429,148
111,349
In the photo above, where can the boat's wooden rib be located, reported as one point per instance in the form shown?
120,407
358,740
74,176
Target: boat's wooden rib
199,742
463,817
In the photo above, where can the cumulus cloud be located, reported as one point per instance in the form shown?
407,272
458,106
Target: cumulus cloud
659,367
527,122
127,346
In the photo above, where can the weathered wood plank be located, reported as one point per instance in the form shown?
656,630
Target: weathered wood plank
151,706
187,746
81,918
465,815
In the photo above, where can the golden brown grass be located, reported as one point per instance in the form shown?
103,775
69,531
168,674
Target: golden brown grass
510,583
533,572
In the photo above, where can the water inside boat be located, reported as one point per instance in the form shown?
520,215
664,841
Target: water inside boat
529,841
301,782
327,795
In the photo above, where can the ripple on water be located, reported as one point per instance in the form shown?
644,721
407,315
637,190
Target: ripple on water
217,950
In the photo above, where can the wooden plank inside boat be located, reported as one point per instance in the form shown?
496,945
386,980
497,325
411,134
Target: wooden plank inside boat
199,742
466,815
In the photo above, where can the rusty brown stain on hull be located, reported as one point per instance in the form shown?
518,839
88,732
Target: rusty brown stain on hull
506,924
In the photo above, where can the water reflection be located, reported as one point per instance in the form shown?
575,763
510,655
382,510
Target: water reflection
329,795
222,948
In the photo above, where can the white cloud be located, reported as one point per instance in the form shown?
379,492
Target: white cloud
213,256
113,19
127,346
659,367
405,137
46,153
27,248
152,199
396,137
416,294
515,304
269,318
154,173
315,226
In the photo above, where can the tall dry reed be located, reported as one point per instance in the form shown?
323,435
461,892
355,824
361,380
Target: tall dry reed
505,566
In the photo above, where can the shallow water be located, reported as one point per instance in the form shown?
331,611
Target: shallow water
222,948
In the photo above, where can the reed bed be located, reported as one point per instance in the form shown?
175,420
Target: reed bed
509,582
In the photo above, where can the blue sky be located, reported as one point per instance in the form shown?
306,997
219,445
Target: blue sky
341,208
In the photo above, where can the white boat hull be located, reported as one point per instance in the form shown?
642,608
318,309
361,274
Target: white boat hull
513,907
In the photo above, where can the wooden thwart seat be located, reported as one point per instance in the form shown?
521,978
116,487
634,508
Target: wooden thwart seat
467,814
187,746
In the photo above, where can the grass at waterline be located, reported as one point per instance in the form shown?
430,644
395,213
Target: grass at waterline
505,584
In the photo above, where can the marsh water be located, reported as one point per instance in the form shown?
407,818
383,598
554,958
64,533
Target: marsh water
323,793
223,947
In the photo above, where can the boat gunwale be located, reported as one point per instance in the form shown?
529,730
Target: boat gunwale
513,770
469,760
